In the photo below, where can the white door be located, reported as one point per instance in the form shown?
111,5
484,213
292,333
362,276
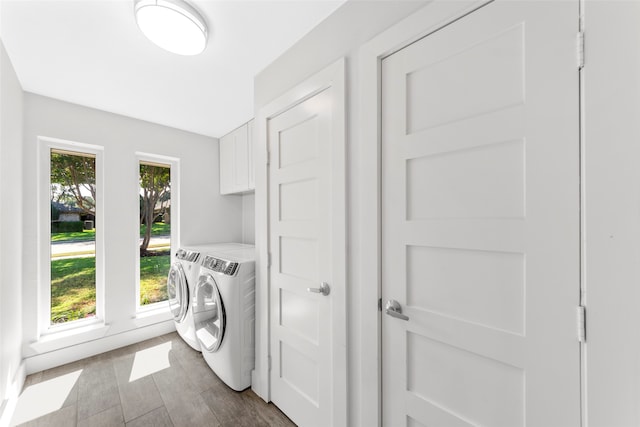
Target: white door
480,231
300,146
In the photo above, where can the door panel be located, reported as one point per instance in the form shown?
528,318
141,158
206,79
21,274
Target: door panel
480,231
300,201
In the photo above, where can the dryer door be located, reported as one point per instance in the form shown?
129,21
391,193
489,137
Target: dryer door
178,292
208,314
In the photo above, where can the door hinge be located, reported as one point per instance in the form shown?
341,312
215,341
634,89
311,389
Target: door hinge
269,362
580,49
582,323
269,260
379,304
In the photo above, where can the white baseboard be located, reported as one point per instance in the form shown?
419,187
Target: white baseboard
62,356
8,406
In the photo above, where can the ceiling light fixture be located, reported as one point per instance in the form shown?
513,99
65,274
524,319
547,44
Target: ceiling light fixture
173,25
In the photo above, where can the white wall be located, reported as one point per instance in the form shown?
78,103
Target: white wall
249,219
11,250
612,219
205,216
339,36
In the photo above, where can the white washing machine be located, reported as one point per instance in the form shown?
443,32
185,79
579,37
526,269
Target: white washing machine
224,313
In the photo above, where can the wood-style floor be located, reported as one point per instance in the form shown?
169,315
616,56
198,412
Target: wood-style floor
159,382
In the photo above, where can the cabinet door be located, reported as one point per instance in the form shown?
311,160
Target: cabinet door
227,164
250,154
241,165
236,160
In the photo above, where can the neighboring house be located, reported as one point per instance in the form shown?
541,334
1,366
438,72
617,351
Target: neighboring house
67,213
69,216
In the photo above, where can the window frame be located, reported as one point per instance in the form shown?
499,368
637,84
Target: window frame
174,215
45,145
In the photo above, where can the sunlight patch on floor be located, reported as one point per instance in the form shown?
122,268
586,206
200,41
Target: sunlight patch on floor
150,360
45,397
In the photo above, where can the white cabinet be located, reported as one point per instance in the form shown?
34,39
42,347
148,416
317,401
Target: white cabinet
236,161
226,163
251,152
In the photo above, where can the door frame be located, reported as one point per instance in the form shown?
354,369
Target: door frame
332,77
425,21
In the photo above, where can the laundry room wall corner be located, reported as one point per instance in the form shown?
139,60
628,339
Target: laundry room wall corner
249,218
11,229
611,240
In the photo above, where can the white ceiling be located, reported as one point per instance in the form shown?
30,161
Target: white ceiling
90,52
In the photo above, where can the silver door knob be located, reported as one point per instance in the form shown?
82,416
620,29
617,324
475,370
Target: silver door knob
394,309
324,289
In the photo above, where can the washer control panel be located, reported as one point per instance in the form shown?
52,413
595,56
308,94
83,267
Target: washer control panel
219,265
190,256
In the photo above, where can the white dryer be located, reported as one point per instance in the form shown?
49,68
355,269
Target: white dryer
181,280
224,313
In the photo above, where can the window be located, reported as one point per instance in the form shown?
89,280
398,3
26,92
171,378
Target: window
73,241
71,264
157,200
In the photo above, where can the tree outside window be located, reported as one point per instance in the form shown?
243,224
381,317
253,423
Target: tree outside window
155,231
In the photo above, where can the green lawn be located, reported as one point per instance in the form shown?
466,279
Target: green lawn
157,229
153,278
78,236
73,288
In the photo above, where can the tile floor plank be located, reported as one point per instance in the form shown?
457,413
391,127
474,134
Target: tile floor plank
157,418
57,372
198,372
225,403
111,417
64,417
97,389
267,411
32,379
246,420
78,365
115,354
139,396
185,406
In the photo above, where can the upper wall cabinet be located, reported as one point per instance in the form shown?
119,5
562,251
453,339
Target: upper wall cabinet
236,161
251,153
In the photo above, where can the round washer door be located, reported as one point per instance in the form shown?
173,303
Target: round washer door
209,314
177,292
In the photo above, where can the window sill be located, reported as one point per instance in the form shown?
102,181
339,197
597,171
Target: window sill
62,336
153,313
83,331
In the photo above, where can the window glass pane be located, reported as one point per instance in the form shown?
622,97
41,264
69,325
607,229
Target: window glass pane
155,231
73,249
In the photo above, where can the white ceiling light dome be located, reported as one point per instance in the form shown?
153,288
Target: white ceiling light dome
174,25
